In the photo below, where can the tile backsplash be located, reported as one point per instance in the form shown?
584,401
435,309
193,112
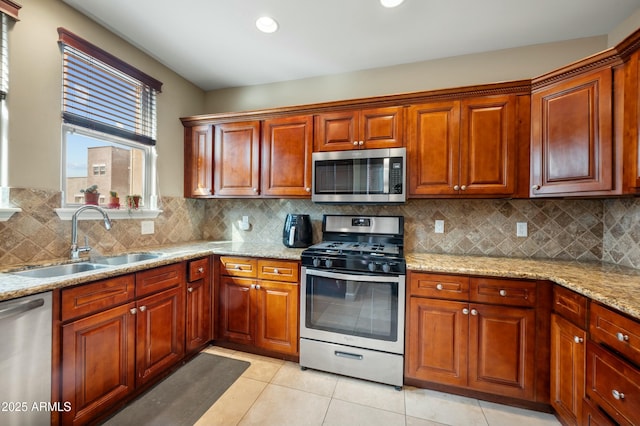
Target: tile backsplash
590,230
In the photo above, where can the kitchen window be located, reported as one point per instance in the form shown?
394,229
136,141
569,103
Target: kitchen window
109,125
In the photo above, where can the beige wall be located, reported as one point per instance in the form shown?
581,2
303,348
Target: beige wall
34,97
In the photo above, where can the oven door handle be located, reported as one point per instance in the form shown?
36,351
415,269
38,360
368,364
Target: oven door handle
353,277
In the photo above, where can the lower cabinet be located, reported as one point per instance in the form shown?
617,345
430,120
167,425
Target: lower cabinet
119,335
482,347
259,303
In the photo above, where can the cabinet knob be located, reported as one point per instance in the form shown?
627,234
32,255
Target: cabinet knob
307,189
275,271
355,143
463,187
503,293
474,312
622,337
578,339
617,395
255,190
258,287
465,311
439,286
253,286
456,187
133,311
535,187
361,143
143,308
200,270
190,289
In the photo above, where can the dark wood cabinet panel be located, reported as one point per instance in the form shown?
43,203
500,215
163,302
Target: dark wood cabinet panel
572,136
97,296
437,341
277,316
98,363
287,144
236,309
381,128
567,369
237,159
160,278
198,161
198,326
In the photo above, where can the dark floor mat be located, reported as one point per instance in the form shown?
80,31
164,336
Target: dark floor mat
184,396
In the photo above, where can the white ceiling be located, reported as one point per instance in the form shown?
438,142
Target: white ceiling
215,44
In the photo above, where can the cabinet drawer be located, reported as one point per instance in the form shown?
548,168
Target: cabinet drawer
98,296
198,269
439,286
617,331
570,305
277,270
613,384
161,278
503,292
238,266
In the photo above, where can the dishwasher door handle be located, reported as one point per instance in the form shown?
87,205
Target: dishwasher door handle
18,308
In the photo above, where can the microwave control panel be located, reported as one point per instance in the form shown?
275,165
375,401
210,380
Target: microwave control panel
395,175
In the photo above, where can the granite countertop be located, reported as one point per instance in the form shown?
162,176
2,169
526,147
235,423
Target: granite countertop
612,285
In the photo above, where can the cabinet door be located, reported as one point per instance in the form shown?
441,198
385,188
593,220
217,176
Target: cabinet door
98,363
159,333
198,161
237,159
488,146
277,316
236,309
567,369
287,144
198,327
381,128
437,341
336,131
502,350
571,136
433,148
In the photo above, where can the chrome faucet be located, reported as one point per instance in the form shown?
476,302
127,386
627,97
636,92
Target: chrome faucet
75,250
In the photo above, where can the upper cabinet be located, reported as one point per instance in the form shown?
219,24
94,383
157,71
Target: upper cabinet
287,144
468,147
198,161
236,170
359,129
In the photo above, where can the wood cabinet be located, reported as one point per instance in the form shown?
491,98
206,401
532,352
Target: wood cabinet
199,305
198,161
259,303
236,169
117,336
568,341
359,129
287,144
458,334
466,147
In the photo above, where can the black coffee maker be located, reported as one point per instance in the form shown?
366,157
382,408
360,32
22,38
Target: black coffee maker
297,231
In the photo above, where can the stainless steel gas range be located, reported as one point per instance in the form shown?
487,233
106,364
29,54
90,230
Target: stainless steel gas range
353,297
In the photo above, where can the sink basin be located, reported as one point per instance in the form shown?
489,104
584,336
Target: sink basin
58,270
125,258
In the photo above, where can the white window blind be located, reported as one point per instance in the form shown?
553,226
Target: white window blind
100,92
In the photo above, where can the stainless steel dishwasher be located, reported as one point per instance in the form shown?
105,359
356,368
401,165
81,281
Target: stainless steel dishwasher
25,360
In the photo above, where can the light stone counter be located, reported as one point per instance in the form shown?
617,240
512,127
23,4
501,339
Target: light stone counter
615,286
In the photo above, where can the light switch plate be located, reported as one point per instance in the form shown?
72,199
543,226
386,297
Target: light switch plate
147,227
521,229
439,227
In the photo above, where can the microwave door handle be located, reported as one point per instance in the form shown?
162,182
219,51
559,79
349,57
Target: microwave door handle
385,167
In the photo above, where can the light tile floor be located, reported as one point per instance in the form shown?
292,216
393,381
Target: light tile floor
276,392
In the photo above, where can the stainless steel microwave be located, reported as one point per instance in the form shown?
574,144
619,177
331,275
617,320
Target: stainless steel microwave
360,176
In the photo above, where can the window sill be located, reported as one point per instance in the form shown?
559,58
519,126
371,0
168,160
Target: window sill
7,212
66,213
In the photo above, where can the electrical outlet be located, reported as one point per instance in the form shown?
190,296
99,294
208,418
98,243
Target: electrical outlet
147,227
521,229
439,228
244,224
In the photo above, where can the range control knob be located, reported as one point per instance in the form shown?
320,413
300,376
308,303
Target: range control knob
328,263
386,268
316,262
371,266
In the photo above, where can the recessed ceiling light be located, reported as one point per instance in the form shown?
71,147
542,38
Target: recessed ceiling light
391,3
266,24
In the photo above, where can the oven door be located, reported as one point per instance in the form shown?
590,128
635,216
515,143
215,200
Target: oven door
360,310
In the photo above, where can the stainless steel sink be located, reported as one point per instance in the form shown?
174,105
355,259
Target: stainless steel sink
59,270
125,258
